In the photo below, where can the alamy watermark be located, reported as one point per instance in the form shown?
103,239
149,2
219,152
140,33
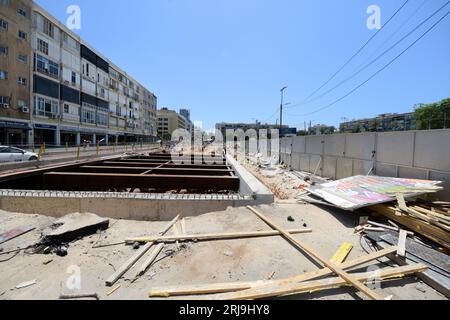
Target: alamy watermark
374,19
73,21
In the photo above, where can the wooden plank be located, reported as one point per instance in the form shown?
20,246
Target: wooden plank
401,247
319,285
236,286
429,231
131,261
213,236
305,248
434,278
151,258
342,253
402,205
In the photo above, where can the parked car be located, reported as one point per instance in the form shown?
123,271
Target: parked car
12,154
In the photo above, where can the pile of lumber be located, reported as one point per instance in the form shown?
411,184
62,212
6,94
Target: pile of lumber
429,219
336,275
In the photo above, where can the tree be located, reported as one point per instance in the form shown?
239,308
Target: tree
433,116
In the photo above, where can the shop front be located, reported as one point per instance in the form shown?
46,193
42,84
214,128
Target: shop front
44,133
14,133
69,136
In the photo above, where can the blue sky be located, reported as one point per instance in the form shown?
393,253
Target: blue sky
226,60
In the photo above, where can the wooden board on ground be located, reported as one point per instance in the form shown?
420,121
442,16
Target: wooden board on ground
304,248
131,261
214,236
236,286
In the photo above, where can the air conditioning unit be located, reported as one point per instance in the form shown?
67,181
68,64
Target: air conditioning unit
66,82
5,105
24,109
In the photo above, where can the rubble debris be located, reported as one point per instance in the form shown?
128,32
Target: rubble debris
113,290
432,230
131,261
61,251
64,296
437,276
75,226
228,253
26,284
362,191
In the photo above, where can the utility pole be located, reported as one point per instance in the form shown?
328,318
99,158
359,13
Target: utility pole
281,106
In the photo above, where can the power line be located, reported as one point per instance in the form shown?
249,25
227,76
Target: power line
412,15
376,73
377,58
357,52
275,113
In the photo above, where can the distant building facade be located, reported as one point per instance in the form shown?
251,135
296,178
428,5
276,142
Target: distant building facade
169,121
15,62
284,130
56,88
381,123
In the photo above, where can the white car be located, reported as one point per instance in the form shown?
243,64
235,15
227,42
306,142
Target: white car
12,154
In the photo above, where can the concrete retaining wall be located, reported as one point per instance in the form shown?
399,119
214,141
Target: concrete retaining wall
409,154
146,207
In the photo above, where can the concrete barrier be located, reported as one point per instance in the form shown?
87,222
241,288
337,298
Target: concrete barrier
406,154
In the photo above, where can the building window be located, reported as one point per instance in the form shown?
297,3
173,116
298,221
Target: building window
4,100
48,28
6,3
22,58
42,46
4,50
66,108
88,116
3,75
22,81
102,119
22,35
22,12
47,66
46,107
3,25
74,77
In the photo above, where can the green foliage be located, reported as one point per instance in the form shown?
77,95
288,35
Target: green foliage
434,115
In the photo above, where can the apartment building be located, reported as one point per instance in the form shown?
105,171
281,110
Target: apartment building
189,126
382,123
15,61
284,130
168,122
75,93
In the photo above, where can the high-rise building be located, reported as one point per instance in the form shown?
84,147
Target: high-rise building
15,61
169,121
72,93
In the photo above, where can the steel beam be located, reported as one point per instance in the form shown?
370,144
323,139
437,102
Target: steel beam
170,165
104,181
137,170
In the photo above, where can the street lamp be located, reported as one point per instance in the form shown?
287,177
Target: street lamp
281,105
